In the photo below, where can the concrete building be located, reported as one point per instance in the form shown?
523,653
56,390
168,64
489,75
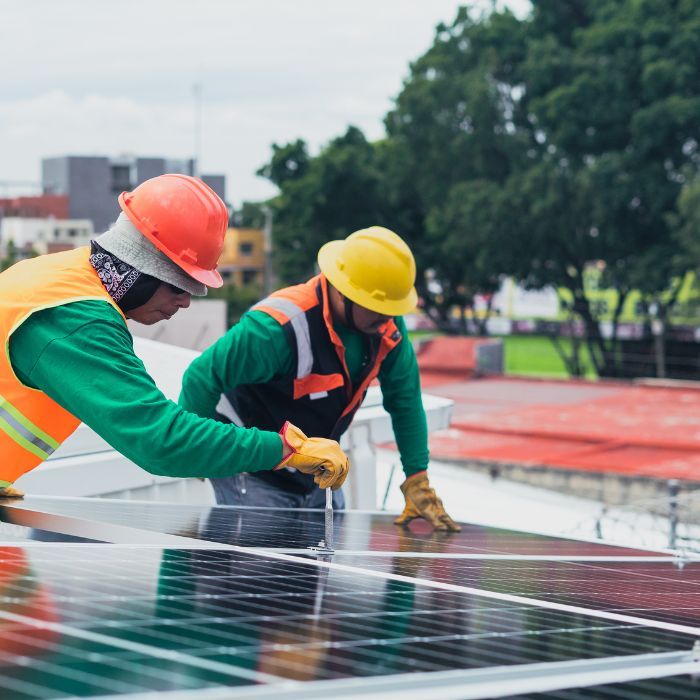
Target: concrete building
243,259
44,235
93,183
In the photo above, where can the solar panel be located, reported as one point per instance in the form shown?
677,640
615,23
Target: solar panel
666,590
679,688
238,607
283,529
13,533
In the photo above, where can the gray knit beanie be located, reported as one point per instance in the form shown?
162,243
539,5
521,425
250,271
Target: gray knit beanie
126,242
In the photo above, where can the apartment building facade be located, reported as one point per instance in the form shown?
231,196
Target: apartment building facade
93,183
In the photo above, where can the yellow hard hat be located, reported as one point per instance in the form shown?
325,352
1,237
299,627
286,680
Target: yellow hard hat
374,268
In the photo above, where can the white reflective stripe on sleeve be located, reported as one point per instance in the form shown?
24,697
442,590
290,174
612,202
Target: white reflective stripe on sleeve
305,356
288,308
225,408
300,324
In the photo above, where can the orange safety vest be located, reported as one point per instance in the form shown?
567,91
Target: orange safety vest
32,425
318,396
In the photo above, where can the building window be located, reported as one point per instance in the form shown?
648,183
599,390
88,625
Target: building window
245,249
250,276
121,178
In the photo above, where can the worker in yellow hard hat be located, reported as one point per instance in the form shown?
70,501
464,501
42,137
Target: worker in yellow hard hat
307,354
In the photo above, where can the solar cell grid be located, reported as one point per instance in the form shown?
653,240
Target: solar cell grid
279,529
37,663
665,590
87,619
282,619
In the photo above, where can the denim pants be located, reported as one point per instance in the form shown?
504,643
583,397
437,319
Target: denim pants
246,490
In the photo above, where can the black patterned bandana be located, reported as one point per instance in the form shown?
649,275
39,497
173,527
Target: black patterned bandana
128,287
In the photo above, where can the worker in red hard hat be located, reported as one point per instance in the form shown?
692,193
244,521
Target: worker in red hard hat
68,355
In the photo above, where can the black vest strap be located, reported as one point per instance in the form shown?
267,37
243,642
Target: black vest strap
317,396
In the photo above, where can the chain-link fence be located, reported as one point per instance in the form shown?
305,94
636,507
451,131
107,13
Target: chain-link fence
670,521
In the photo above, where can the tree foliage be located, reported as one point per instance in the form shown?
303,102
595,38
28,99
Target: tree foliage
533,147
321,198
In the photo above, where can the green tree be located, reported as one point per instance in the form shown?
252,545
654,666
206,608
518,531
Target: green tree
321,199
612,105
250,215
686,222
11,256
584,116
450,153
461,237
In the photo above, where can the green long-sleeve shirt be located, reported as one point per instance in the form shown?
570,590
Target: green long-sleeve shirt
81,355
256,350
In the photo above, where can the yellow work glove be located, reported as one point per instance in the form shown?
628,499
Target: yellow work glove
322,458
10,492
423,502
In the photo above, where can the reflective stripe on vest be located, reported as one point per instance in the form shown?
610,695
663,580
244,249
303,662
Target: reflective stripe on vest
32,424
24,432
300,324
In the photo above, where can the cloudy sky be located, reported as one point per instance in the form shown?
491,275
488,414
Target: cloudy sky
108,77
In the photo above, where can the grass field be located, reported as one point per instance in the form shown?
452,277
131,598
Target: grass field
536,356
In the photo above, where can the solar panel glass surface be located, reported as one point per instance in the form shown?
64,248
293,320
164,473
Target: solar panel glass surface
668,591
122,619
12,533
86,619
284,529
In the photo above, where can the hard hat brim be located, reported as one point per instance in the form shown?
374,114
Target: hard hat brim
328,258
210,278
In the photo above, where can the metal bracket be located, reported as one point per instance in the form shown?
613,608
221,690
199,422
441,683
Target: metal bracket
322,549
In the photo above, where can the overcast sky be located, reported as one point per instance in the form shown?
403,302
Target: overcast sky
108,77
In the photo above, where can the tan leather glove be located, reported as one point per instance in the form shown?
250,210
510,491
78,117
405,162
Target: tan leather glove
10,492
423,502
322,458
297,654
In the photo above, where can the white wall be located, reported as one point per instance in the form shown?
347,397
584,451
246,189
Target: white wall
38,233
195,328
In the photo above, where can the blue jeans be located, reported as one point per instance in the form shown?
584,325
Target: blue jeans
245,490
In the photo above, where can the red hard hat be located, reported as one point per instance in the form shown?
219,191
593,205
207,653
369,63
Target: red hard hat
184,218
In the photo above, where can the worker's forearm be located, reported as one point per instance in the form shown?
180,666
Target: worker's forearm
194,446
411,434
